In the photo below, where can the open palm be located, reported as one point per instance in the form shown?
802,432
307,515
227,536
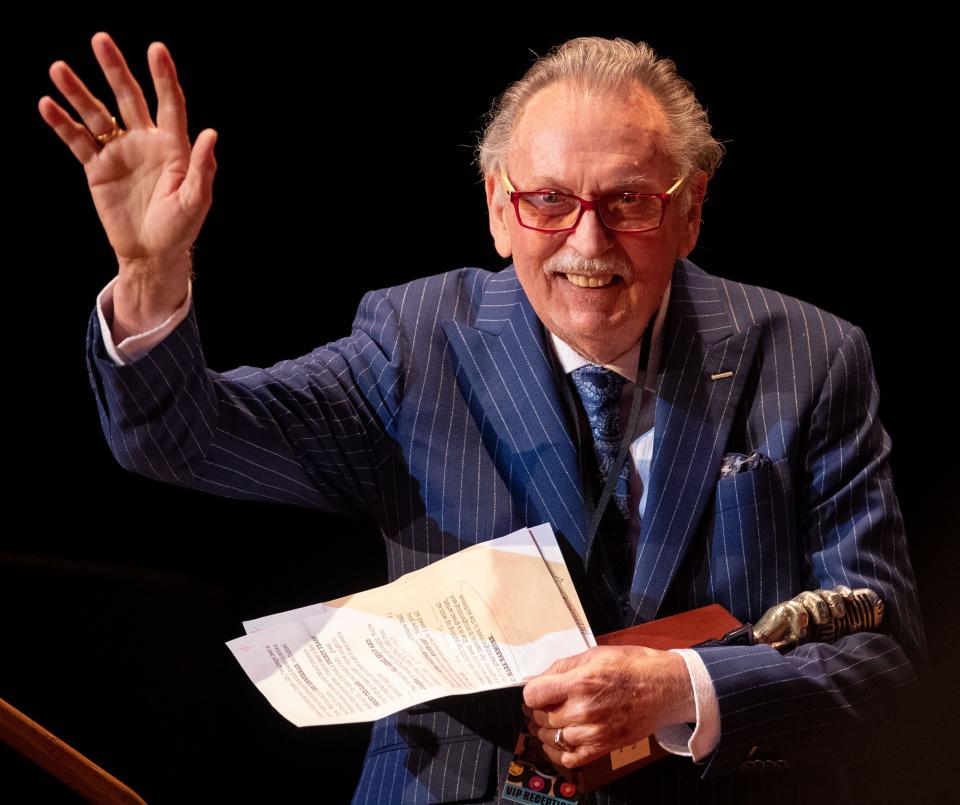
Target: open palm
137,184
151,189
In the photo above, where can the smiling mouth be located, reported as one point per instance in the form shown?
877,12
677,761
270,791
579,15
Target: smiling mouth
593,281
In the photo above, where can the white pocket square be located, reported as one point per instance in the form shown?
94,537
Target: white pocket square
734,463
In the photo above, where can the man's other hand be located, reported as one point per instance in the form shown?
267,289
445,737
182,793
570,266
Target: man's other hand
606,698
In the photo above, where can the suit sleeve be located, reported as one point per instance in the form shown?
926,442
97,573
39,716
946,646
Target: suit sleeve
817,702
311,432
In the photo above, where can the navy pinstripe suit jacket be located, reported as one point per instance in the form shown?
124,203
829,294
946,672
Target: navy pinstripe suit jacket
441,416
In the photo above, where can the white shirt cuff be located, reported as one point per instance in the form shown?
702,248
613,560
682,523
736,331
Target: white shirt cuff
679,739
135,346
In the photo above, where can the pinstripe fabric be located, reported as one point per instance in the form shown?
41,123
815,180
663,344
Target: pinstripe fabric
440,415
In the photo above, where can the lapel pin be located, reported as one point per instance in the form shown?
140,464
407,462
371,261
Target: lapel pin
721,375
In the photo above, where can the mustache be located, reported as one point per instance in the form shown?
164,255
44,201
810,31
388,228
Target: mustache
589,267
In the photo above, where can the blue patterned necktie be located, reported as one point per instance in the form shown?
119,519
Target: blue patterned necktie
600,390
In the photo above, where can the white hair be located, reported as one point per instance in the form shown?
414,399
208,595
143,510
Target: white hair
593,64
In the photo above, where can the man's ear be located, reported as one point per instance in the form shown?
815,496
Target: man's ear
498,208
691,225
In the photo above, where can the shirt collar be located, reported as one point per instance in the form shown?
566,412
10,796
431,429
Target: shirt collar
625,363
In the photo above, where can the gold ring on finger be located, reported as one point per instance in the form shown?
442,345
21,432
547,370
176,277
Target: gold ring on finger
558,741
115,132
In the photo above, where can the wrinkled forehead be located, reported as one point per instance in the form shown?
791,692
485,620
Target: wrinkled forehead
567,127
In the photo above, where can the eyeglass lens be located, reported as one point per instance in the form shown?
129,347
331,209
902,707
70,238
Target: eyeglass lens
559,211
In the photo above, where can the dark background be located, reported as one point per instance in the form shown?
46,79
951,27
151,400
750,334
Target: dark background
119,592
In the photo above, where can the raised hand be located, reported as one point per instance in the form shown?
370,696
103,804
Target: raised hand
151,189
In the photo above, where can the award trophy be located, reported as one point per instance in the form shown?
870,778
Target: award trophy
811,616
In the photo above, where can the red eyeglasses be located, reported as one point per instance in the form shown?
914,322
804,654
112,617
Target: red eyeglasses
551,211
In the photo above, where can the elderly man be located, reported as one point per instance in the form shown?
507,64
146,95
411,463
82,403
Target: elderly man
691,439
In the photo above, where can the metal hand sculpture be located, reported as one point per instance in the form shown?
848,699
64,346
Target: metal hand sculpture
819,615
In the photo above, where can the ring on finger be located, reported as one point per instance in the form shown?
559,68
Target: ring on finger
114,132
558,741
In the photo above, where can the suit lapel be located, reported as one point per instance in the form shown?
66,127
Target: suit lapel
508,380
694,413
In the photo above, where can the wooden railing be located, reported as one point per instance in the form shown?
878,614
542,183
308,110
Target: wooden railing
61,760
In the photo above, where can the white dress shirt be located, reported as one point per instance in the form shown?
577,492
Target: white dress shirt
675,738
135,346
